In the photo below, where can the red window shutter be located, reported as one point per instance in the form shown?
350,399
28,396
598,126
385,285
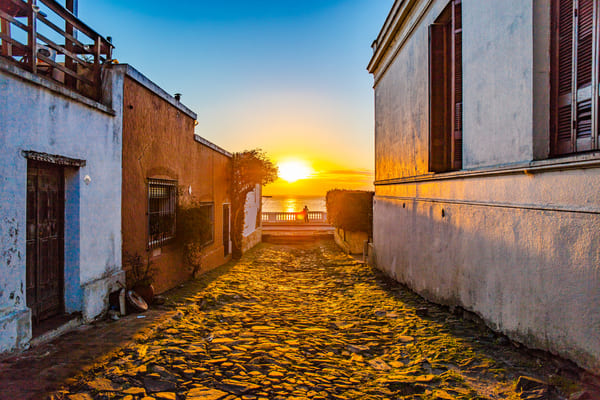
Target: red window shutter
457,88
438,99
562,140
585,25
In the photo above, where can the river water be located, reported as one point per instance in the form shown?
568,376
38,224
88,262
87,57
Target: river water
293,203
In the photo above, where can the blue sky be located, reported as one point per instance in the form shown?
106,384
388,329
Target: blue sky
286,76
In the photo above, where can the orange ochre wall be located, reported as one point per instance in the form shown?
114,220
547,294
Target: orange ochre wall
158,142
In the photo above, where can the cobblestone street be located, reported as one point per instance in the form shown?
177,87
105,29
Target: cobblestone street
309,322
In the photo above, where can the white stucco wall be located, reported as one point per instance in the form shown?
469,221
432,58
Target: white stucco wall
253,202
519,240
252,234
35,118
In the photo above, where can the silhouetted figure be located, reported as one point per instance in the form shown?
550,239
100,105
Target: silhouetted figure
305,213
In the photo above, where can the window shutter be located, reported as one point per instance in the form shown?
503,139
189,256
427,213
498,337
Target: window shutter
457,89
585,25
438,107
563,77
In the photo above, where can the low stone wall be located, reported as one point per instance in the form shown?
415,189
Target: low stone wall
350,242
251,240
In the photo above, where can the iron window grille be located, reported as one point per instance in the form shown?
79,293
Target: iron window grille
162,206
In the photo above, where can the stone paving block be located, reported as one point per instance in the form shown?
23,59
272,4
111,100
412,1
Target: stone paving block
309,322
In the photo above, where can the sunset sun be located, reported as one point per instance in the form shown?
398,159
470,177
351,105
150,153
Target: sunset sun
291,171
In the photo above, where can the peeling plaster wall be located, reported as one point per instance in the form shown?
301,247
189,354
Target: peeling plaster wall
36,118
521,248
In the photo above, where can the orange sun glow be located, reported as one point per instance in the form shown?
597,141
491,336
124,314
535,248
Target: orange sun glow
293,170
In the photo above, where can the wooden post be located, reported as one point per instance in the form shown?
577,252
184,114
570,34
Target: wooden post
6,46
32,35
98,68
69,46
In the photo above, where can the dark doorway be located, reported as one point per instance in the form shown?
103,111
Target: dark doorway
226,230
45,240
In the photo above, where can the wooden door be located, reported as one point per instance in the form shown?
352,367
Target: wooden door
226,230
45,240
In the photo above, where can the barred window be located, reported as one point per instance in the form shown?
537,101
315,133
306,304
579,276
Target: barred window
162,203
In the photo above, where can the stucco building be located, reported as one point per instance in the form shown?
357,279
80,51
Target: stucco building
488,163
252,234
60,173
167,167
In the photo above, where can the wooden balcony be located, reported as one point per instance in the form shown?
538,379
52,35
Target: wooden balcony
45,38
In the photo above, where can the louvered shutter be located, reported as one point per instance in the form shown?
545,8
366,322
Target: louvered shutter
457,99
563,77
438,95
585,30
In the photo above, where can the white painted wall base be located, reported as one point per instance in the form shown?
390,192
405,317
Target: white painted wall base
95,294
15,329
532,274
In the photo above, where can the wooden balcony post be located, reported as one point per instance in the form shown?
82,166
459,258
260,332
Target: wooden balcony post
32,35
6,46
97,68
69,46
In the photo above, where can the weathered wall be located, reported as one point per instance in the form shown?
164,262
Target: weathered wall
252,234
351,242
37,118
401,121
495,69
526,261
492,135
514,240
158,142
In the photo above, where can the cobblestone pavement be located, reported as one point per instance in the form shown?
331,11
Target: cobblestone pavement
309,322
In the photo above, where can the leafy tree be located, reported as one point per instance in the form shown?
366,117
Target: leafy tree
249,168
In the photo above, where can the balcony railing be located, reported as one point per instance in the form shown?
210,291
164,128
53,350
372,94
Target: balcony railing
46,39
314,217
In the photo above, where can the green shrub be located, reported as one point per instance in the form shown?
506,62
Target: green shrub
351,210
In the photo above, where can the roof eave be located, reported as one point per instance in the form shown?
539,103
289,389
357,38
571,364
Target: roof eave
392,24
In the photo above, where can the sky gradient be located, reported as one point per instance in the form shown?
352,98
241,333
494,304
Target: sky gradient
285,76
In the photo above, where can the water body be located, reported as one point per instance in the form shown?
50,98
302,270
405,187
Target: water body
293,203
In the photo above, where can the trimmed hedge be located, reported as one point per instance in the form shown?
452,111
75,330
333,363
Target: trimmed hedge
351,210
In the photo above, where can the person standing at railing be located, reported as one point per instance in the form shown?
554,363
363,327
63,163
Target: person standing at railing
305,214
